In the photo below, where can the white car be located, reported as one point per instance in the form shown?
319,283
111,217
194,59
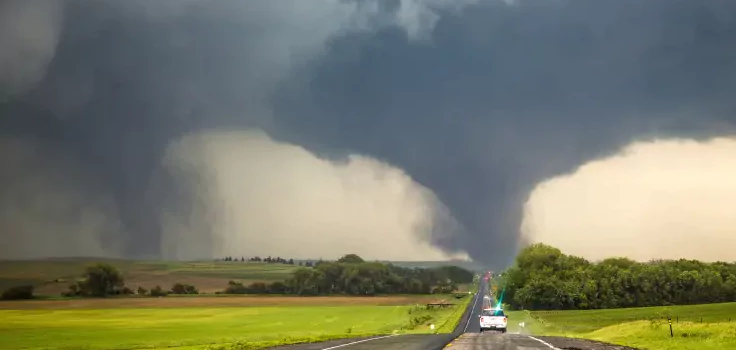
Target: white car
493,319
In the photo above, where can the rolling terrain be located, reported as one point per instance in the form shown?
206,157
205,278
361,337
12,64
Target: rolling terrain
209,321
236,322
53,276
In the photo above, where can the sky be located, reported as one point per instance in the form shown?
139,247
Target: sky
396,129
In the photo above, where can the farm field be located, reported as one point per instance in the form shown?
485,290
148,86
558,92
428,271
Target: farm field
215,301
53,276
701,327
203,324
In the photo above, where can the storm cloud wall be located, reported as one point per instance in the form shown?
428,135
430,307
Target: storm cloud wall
475,101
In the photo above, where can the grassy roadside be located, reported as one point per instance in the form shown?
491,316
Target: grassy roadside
199,328
457,315
644,328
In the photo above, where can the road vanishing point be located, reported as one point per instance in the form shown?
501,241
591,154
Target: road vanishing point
466,336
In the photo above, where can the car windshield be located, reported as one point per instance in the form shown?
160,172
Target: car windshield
493,313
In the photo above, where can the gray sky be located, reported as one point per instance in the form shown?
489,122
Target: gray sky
196,128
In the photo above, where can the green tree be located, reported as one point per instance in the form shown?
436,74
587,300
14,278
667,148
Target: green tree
351,275
351,259
101,280
542,277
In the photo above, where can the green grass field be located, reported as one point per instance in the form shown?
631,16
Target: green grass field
644,328
205,327
197,323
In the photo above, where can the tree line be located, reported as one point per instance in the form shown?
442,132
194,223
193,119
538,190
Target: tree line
351,275
270,260
100,280
543,278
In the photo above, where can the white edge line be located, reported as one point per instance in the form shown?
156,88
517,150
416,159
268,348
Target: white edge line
544,342
360,341
470,316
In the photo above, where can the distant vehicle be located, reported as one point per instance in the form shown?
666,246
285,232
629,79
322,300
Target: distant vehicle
493,319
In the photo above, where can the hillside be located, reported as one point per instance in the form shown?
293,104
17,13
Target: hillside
53,276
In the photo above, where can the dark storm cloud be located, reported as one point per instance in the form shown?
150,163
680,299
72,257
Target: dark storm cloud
507,96
501,95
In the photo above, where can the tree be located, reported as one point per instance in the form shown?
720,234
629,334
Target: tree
351,259
101,280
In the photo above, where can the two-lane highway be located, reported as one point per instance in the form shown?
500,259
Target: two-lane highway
468,323
472,339
466,336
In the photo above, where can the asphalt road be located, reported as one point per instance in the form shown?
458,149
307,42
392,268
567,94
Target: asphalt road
405,342
466,336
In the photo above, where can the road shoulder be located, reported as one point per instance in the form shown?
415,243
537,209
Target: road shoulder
574,343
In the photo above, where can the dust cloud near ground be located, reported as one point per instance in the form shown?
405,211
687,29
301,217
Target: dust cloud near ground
257,196
667,199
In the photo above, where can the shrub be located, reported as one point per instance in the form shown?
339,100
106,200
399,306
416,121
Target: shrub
235,288
158,292
180,288
24,292
72,292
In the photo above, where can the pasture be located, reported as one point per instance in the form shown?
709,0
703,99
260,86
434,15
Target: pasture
210,323
701,327
53,276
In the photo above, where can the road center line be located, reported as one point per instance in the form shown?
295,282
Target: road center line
359,341
470,316
545,343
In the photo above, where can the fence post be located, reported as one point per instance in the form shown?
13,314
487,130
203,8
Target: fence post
669,320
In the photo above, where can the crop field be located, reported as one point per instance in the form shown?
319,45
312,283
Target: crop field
203,324
53,276
701,327
215,301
